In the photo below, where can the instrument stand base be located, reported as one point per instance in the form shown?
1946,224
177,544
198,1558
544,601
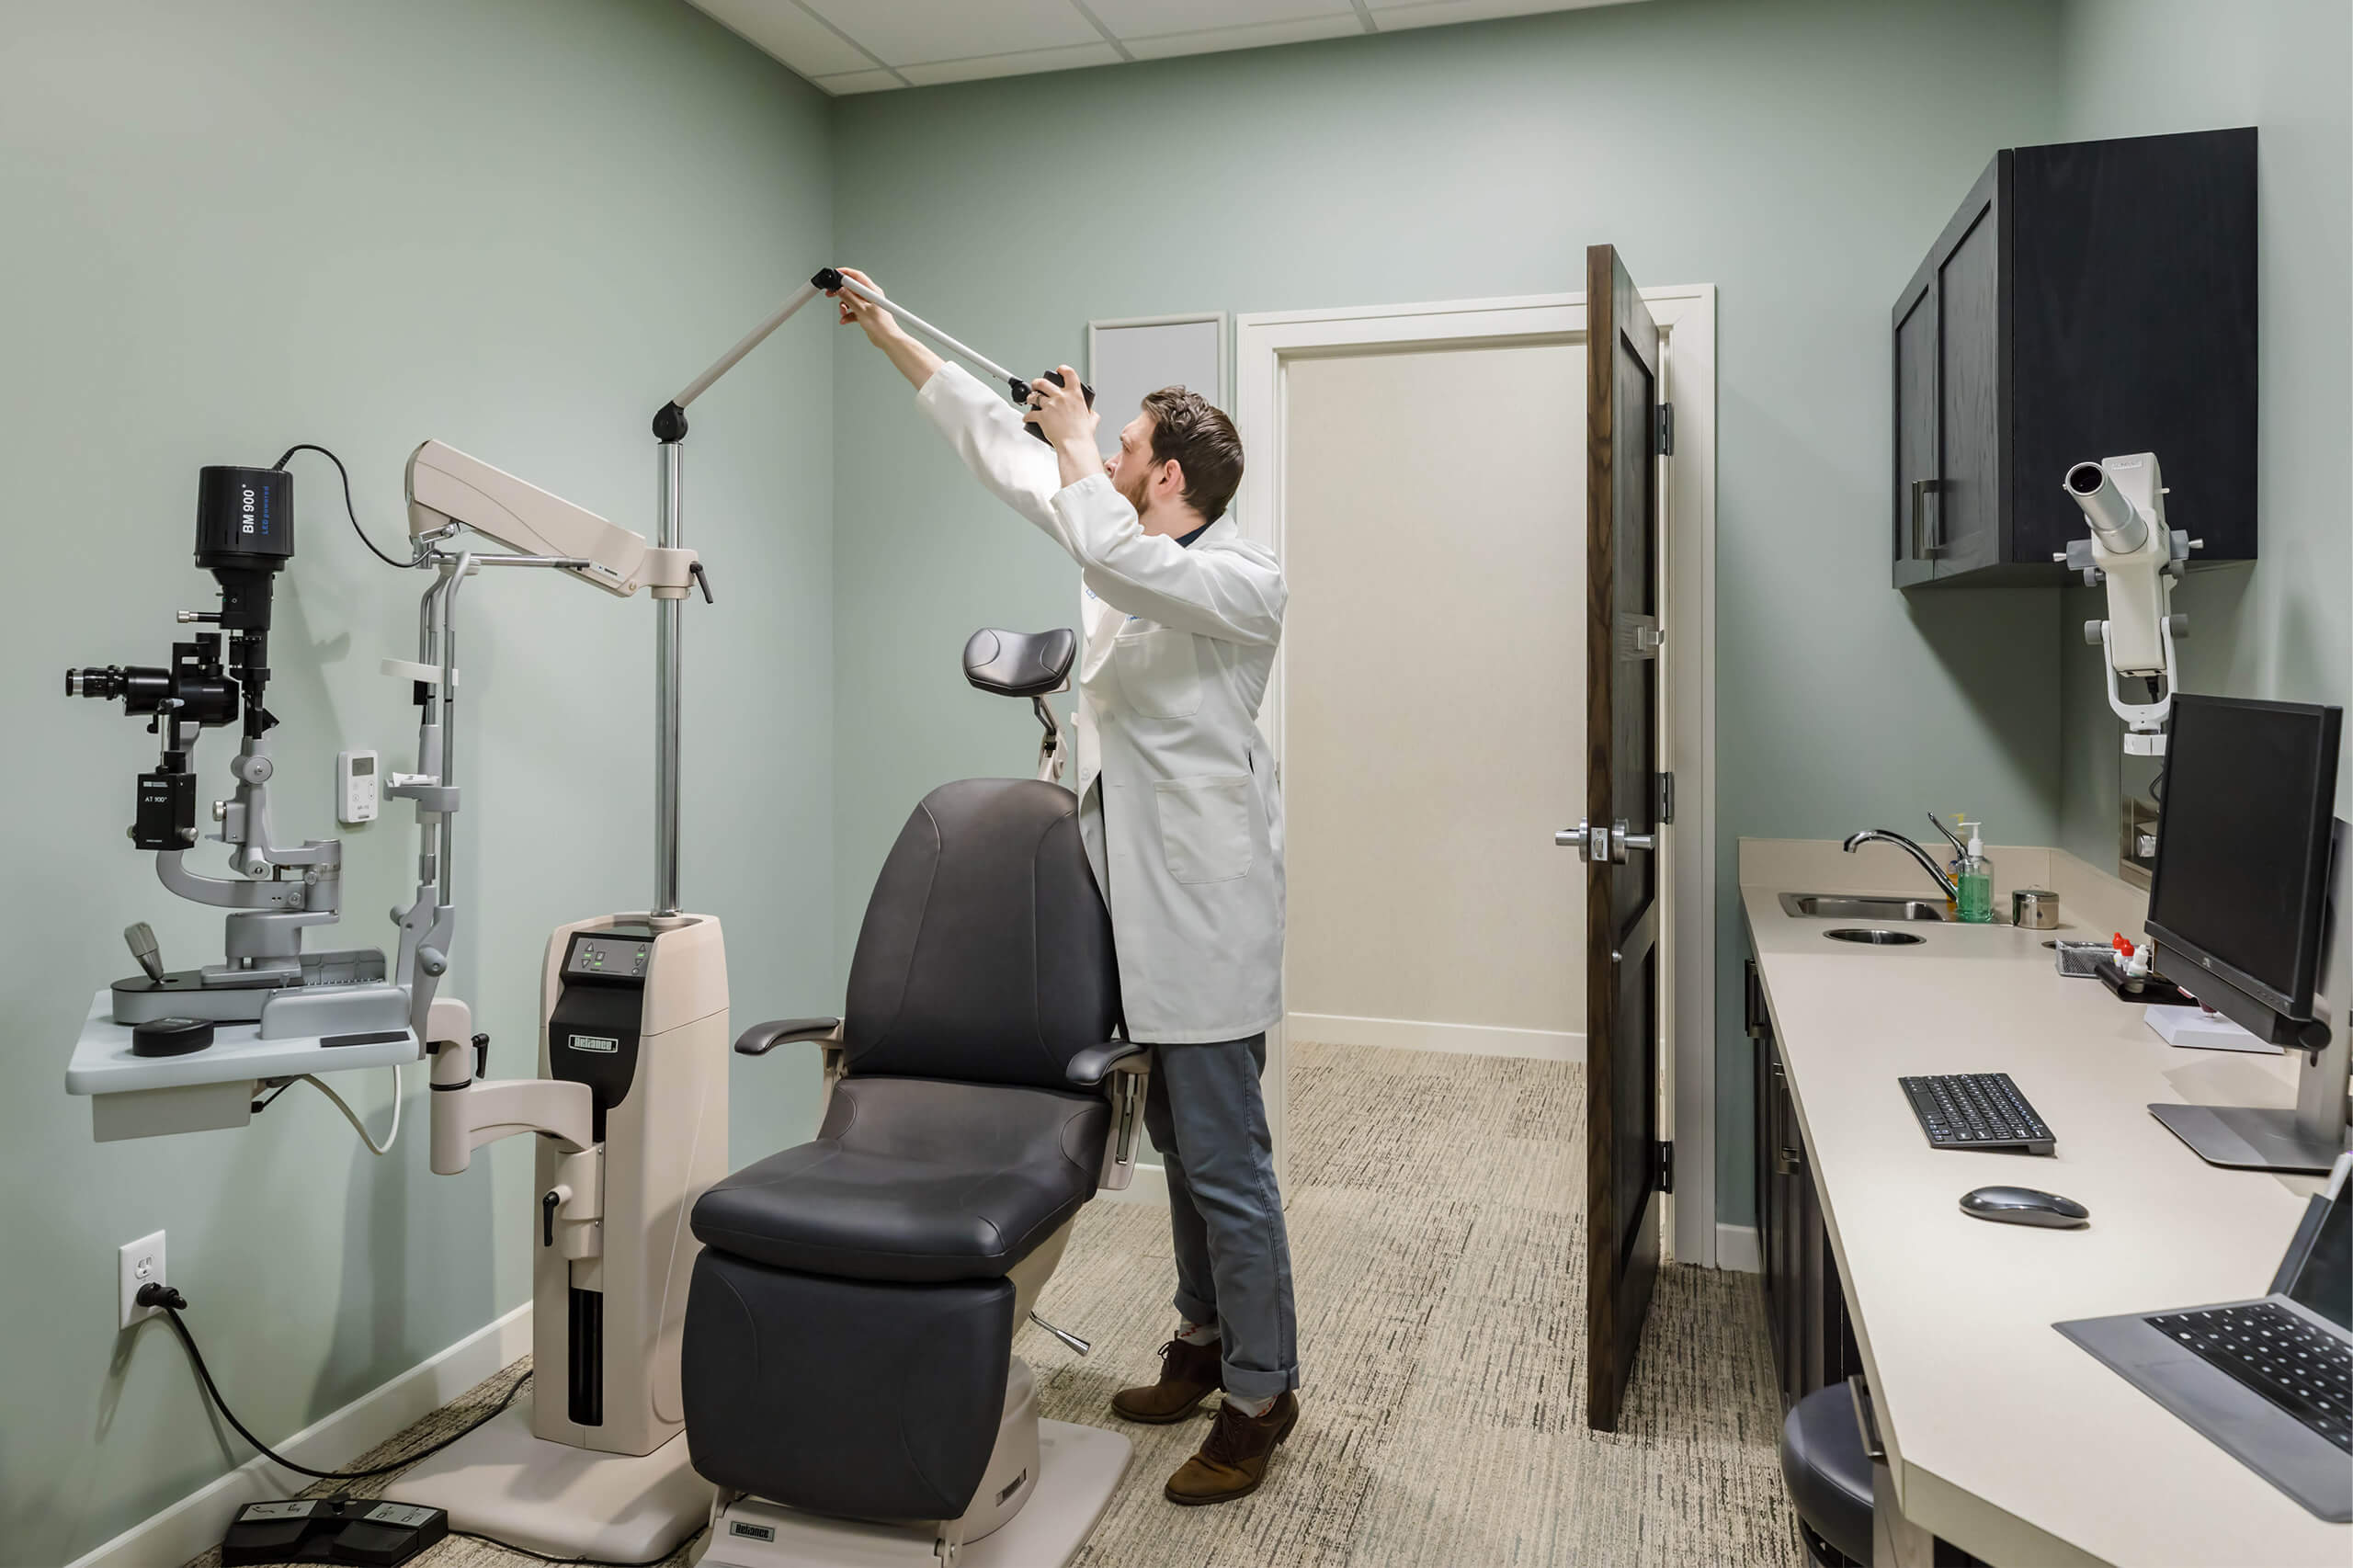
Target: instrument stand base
1078,1469
552,1498
2248,1138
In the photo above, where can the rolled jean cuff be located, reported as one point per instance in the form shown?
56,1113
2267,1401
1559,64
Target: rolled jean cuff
1244,1383
1195,1310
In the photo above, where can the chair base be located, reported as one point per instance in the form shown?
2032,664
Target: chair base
1078,1469
552,1498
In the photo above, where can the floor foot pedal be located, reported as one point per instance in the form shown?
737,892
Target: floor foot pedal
370,1530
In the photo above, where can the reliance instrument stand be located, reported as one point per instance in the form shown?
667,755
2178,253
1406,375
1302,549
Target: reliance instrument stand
631,1104
631,1112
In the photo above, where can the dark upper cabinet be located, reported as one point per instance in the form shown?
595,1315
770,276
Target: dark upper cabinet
2088,300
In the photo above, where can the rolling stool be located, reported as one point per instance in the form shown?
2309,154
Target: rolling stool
1829,1476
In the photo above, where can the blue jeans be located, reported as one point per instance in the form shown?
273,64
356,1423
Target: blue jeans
1209,1122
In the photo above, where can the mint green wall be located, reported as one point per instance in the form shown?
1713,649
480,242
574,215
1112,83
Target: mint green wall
516,227
1799,154
2279,628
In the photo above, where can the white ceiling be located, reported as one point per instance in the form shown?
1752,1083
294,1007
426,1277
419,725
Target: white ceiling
865,46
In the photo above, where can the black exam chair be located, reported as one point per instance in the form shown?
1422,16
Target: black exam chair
1829,1476
848,1376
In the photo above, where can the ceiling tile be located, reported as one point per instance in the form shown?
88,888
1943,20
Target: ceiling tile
857,82
1390,14
792,34
932,72
905,32
1211,40
1152,18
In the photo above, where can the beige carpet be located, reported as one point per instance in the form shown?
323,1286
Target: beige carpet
1437,1236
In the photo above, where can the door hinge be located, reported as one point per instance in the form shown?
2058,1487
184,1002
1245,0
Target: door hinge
1663,1166
1665,798
1666,430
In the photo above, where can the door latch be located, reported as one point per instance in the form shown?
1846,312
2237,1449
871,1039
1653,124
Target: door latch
1590,842
1595,843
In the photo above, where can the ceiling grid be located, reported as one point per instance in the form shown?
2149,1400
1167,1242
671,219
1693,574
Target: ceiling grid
865,46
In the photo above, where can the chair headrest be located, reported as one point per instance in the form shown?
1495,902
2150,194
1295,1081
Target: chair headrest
1020,664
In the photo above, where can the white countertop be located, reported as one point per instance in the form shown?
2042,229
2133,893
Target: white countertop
2004,1437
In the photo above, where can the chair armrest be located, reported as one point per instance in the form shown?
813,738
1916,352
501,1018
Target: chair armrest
761,1039
1090,1067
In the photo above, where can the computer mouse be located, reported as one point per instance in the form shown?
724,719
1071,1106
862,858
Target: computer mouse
2024,1206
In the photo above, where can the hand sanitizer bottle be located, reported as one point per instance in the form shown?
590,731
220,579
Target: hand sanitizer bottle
1976,879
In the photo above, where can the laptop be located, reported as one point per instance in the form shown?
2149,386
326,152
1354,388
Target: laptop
2271,1380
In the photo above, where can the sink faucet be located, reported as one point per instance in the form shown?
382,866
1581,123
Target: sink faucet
1885,836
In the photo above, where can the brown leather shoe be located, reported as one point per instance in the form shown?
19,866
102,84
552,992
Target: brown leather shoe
1188,1374
1233,1460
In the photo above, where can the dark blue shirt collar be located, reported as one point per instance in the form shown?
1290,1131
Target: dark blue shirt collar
1186,539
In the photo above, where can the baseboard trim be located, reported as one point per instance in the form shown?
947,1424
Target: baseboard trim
1736,1249
1460,1040
195,1523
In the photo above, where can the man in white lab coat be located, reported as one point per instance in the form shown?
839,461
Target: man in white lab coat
1183,824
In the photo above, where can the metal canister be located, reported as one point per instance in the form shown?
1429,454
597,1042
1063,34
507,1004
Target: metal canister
2034,909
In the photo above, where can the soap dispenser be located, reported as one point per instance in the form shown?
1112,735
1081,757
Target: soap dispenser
1976,881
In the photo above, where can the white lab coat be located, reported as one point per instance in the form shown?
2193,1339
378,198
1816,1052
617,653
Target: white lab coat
1179,803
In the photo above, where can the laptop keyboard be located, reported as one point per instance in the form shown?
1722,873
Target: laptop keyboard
2303,1369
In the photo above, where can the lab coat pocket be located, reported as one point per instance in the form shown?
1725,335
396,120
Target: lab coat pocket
1205,827
1160,673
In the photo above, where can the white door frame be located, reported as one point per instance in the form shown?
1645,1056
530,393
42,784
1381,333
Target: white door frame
1265,343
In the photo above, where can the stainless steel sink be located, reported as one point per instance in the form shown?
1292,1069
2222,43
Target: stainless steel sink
1862,906
1876,937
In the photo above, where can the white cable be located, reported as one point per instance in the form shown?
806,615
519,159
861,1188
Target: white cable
350,1116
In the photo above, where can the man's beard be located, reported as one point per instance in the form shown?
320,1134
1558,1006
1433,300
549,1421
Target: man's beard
1134,495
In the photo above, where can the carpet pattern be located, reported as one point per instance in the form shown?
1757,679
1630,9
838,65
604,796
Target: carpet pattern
1436,1214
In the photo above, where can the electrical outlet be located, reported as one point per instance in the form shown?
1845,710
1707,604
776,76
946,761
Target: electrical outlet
138,1263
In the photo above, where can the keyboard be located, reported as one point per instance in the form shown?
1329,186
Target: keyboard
1977,1110
2304,1370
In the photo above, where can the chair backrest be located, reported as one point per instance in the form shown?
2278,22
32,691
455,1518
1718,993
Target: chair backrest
986,951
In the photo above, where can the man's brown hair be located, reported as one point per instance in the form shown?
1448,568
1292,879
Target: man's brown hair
1186,426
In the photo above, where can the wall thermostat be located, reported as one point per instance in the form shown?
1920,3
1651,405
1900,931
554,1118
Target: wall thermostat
355,781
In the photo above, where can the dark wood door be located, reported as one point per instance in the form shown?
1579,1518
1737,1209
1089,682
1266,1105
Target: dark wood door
1622,604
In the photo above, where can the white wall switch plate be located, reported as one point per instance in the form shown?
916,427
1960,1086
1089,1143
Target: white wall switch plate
138,1263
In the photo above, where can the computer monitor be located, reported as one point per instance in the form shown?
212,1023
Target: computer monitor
2250,863
2238,899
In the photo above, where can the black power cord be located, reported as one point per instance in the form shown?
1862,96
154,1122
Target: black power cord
348,509
169,1300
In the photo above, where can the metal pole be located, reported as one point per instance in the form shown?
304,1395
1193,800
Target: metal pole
666,693
446,850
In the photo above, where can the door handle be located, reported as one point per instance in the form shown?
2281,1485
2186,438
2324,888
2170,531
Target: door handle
1593,842
1590,842
1789,1162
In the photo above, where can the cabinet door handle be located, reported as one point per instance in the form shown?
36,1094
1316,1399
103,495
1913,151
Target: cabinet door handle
1922,542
